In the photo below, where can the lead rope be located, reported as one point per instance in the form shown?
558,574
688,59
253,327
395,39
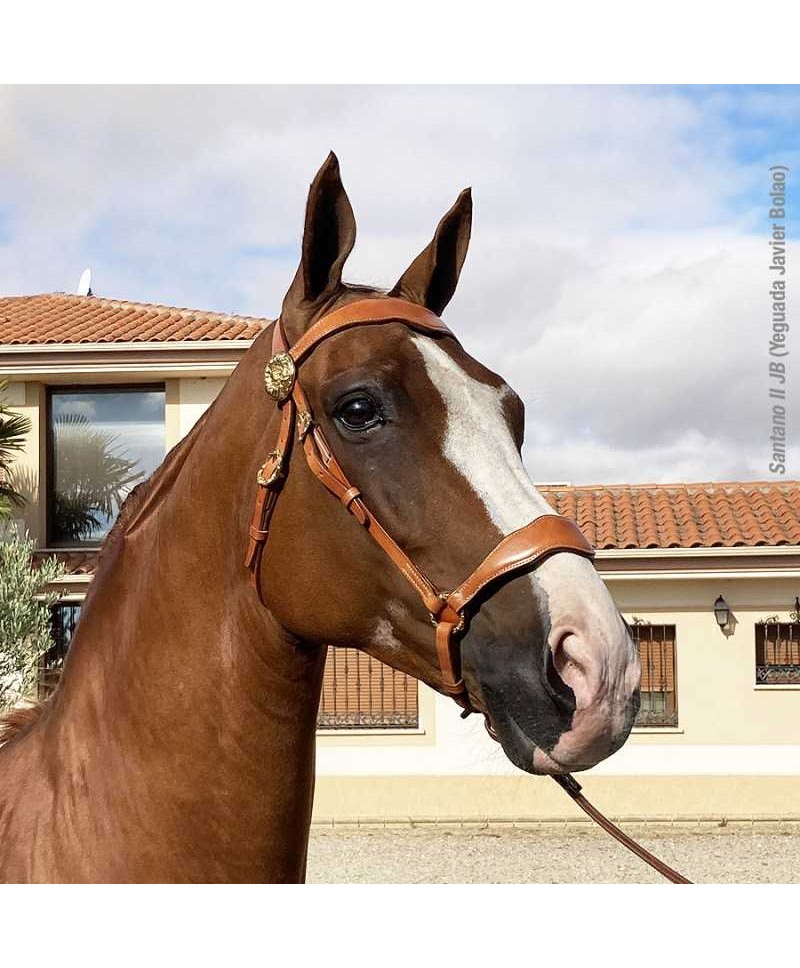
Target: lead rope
572,788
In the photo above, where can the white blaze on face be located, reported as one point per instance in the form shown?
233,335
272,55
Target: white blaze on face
479,445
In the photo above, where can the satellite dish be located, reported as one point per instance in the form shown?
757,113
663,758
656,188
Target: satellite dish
85,284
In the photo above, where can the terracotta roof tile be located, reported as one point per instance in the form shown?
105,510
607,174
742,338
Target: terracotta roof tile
64,318
725,515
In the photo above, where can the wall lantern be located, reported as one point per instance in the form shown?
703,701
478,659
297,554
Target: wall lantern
721,612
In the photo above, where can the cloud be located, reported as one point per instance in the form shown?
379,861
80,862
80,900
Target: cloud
617,275
72,407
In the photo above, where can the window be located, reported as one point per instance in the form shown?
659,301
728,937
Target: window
656,644
63,619
359,691
777,652
102,442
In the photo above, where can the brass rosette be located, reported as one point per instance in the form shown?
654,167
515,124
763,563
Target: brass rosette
279,375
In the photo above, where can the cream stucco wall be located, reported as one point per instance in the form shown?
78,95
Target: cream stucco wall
196,395
718,700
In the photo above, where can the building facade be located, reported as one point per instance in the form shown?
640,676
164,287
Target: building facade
707,575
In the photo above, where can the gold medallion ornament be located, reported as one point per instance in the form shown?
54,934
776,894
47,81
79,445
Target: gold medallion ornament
279,376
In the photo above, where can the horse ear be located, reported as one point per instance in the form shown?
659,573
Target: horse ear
432,277
328,239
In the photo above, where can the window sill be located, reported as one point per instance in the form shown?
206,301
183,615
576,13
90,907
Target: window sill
649,730
370,731
68,549
777,687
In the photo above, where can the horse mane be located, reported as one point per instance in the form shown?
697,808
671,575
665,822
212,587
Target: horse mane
21,719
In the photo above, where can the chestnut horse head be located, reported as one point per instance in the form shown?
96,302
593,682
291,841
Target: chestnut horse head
426,441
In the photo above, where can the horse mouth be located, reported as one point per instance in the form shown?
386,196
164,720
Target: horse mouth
523,751
527,755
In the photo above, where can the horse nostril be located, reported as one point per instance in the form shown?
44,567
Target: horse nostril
558,690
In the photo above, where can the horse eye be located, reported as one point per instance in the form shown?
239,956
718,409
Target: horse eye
359,413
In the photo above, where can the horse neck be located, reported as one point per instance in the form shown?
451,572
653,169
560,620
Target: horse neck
180,688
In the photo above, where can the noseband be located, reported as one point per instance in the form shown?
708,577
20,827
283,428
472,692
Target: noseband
523,549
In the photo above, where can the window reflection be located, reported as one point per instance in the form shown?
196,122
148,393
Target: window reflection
104,442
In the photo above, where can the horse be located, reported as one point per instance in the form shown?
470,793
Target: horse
179,745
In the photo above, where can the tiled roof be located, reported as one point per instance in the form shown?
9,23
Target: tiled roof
64,318
727,515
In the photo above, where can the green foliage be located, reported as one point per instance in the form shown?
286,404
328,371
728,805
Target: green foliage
93,477
24,618
13,429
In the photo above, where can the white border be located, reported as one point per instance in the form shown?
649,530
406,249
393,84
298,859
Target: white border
357,40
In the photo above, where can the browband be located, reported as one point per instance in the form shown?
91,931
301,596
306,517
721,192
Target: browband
367,312
523,549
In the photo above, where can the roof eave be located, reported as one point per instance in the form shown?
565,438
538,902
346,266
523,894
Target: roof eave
139,346
75,361
702,552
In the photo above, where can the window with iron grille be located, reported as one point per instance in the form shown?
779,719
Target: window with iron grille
659,701
359,691
777,652
63,620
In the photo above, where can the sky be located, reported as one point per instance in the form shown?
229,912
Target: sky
618,271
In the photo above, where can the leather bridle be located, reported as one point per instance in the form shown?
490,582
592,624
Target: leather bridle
523,549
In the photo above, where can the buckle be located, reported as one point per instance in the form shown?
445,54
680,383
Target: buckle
275,474
304,424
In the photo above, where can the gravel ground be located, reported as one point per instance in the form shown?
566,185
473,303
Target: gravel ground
733,854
